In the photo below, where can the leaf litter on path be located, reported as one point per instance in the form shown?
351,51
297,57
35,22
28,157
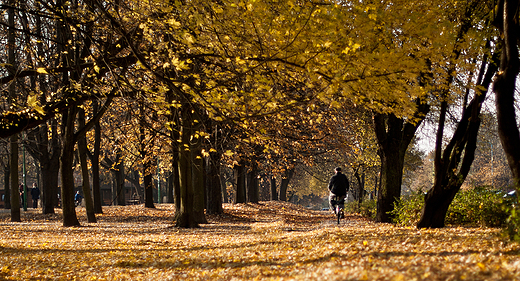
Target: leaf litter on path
264,241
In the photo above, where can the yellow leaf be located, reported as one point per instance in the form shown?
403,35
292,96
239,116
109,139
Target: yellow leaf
41,70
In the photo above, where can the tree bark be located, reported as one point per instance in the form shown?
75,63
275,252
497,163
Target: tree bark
285,184
505,85
274,193
393,137
213,185
96,180
67,173
15,194
240,195
186,218
120,179
82,150
7,188
253,188
198,180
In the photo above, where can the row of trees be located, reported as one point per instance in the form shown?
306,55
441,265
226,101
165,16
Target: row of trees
251,84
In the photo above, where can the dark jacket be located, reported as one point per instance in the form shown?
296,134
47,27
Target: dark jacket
338,184
35,193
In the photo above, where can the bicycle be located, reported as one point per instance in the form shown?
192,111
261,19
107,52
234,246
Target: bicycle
339,205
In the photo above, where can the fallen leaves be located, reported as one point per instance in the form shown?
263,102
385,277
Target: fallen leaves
269,240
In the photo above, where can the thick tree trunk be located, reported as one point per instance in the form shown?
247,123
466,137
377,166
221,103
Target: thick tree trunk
15,194
274,193
198,180
392,163
240,195
505,86
213,187
185,218
67,173
253,188
148,187
393,137
285,184
50,175
11,60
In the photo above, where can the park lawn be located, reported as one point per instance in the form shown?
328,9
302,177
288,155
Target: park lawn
265,241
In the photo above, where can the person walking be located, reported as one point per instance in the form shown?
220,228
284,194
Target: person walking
35,195
338,187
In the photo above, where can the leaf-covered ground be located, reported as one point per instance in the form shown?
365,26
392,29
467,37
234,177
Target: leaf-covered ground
265,241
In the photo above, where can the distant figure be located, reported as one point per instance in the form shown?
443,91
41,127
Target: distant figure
21,195
35,195
338,187
77,198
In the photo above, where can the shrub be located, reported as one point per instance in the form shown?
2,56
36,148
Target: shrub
367,208
478,206
407,210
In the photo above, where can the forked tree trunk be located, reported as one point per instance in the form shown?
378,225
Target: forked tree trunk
393,137
453,167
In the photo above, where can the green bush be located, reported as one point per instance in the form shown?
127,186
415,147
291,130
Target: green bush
478,206
407,210
367,208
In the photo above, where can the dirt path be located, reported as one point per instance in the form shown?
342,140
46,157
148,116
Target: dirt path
266,241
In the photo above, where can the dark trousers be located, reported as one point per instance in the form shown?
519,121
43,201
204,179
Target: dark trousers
334,197
35,203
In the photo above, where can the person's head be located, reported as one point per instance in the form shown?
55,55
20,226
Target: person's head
34,185
338,170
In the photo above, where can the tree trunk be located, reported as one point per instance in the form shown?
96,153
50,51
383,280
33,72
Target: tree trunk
96,180
148,186
240,195
7,189
453,167
198,180
274,193
11,60
393,137
361,186
253,190
505,86
392,163
82,150
185,218
213,185
285,184
15,194
50,174
67,172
